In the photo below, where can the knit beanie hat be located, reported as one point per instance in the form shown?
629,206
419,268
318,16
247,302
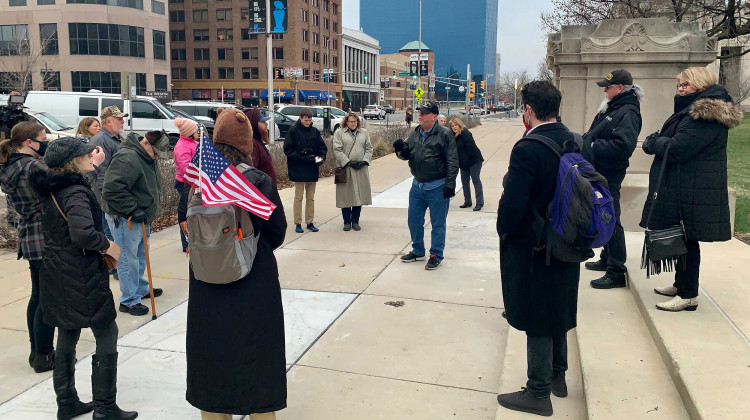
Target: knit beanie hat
65,149
233,128
187,127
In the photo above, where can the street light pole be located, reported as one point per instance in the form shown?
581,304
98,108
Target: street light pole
515,96
419,58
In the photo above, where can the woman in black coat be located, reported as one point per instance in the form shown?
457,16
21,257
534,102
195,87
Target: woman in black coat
75,280
694,187
236,362
469,162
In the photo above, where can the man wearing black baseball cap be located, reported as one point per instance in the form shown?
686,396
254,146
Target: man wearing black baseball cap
608,145
433,160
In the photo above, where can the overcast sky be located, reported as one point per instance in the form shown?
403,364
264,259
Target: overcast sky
521,41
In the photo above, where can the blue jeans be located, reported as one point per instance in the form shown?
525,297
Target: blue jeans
108,234
132,262
419,201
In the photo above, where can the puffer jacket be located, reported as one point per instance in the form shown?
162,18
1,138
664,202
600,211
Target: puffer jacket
301,146
74,280
435,157
695,179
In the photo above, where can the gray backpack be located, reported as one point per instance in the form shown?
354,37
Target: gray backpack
222,242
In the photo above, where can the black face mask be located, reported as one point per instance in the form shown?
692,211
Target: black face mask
42,147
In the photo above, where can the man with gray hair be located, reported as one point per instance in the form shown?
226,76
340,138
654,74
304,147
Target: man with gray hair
608,145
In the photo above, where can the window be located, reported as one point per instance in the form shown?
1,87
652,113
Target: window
335,27
133,4
14,40
244,14
253,53
177,16
325,59
88,107
224,34
325,5
201,54
316,38
203,73
246,72
398,84
46,3
305,73
304,15
335,61
160,41
142,109
179,54
48,38
335,44
51,80
245,34
226,54
224,15
305,55
250,73
179,73
277,36
106,39
157,7
305,37
278,53
315,3
325,41
316,57
177,36
119,103
325,23
17,3
335,8
107,82
160,82
177,1
316,75
315,20
226,72
200,34
246,53
200,15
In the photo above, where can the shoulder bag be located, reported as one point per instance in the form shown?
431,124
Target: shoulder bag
109,259
339,174
663,248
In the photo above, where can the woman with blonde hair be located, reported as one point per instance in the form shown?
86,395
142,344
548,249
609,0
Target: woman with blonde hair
469,162
693,190
87,128
353,151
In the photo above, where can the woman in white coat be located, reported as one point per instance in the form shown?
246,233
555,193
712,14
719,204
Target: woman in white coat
353,151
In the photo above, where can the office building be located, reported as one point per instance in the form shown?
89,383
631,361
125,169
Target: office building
399,89
459,33
215,57
77,45
361,70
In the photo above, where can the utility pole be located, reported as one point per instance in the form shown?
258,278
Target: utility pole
269,58
468,83
419,57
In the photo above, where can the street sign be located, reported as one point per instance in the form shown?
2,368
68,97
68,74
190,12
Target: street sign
279,17
423,67
461,89
327,71
404,73
447,88
418,91
293,71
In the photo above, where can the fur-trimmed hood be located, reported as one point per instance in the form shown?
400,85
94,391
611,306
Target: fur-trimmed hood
53,180
718,110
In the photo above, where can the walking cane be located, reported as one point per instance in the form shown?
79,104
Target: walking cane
148,268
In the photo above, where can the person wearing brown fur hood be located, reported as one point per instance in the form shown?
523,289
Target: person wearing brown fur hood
694,186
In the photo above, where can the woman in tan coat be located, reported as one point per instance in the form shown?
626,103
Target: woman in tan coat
353,151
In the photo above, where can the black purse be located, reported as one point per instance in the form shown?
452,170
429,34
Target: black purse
663,249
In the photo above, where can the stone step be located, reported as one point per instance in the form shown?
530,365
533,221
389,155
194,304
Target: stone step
707,352
514,377
624,376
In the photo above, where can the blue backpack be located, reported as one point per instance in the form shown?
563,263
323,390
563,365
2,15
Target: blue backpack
582,214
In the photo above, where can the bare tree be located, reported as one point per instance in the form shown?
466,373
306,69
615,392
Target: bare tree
543,72
16,72
506,83
724,19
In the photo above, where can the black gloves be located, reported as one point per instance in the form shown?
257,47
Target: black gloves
401,148
358,164
138,216
649,145
448,192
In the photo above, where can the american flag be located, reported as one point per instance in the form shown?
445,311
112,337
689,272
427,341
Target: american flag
222,183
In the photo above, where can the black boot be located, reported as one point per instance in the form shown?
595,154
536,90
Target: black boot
599,265
609,281
104,388
64,382
524,401
43,362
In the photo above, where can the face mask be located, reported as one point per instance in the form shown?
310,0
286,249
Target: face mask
42,147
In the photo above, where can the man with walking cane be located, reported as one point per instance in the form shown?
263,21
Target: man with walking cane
131,196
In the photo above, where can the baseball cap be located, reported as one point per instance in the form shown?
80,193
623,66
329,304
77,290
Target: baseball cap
112,111
617,77
429,107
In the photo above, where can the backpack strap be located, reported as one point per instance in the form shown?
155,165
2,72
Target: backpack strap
574,146
243,167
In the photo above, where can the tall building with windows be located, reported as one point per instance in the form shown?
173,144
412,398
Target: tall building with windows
77,45
459,33
214,56
361,70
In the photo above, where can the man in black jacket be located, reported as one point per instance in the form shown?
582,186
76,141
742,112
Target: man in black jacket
608,145
433,160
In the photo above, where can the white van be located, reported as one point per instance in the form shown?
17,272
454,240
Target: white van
71,107
201,110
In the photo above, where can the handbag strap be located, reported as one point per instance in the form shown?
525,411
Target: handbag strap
58,206
655,196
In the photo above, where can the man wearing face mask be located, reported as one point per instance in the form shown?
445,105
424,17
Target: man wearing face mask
608,145
132,191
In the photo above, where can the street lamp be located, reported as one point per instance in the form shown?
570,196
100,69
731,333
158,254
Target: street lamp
515,96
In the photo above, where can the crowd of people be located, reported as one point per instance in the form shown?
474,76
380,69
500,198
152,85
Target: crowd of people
79,198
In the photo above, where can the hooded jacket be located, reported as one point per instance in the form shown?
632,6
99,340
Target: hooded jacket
613,135
74,280
695,180
14,177
301,146
132,181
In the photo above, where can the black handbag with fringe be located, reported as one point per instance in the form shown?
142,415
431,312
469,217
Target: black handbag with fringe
663,249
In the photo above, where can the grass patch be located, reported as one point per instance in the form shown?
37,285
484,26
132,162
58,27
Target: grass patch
738,155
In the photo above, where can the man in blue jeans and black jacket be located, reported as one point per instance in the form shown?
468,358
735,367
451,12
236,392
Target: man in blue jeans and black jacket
433,160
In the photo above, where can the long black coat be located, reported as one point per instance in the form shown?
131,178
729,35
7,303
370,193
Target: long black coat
301,146
539,299
695,179
468,152
235,332
74,280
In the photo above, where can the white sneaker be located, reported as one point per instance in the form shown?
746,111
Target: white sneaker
678,304
666,291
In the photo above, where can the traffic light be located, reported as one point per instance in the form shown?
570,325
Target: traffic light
414,76
278,73
366,77
481,84
394,74
473,87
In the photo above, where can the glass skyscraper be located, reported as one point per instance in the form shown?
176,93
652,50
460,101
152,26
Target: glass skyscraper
459,32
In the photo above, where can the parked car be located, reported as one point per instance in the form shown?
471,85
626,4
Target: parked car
478,110
374,112
54,127
389,109
70,107
207,125
336,115
201,110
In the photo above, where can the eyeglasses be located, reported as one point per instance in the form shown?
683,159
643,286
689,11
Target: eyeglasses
683,85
